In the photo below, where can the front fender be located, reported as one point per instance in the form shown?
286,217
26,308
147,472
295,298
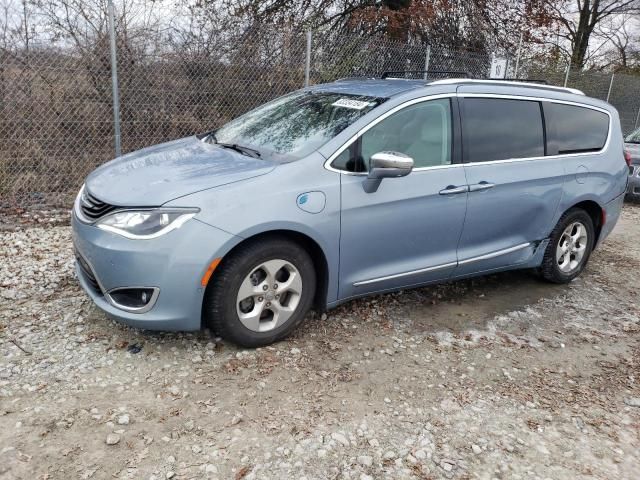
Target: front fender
270,203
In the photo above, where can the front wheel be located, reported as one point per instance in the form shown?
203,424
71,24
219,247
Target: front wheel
261,292
570,246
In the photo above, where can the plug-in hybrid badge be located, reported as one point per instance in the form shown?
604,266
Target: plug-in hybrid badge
311,202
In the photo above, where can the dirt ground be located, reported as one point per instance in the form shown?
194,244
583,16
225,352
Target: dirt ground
498,377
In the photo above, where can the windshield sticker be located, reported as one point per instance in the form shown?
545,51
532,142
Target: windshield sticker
348,103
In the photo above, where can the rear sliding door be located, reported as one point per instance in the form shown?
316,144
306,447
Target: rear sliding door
514,190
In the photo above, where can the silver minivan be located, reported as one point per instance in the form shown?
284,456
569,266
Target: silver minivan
346,189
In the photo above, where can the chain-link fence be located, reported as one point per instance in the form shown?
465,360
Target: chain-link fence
56,105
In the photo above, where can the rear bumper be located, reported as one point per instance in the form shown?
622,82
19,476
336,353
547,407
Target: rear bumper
174,264
612,211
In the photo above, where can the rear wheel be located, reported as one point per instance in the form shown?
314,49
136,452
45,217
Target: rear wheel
261,292
569,248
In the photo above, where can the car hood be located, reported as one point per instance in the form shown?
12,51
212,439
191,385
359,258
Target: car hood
634,150
155,175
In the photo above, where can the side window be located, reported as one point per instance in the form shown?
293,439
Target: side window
573,129
422,131
500,129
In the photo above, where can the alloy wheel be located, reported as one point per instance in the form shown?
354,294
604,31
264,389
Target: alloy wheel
572,247
269,295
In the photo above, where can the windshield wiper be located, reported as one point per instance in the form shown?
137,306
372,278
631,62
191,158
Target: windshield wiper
210,137
250,152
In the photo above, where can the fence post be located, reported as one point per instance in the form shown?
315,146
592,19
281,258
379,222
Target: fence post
637,119
114,80
515,75
566,75
506,67
427,59
610,86
307,66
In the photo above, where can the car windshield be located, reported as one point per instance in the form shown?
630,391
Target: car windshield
633,137
295,125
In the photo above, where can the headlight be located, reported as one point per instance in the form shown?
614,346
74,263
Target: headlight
145,224
76,202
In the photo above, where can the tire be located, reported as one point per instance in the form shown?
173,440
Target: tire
554,266
246,304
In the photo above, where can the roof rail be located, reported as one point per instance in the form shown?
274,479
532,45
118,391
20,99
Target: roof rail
393,73
524,80
527,83
355,78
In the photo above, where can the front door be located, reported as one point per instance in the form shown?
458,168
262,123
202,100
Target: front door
406,232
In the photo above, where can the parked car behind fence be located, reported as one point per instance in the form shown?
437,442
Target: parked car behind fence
632,148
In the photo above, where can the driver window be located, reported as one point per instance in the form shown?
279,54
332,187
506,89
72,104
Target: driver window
422,131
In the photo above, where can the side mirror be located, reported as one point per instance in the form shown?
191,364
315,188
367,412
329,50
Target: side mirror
387,165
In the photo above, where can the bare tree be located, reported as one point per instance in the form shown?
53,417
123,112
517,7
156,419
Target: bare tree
580,19
619,39
470,24
15,24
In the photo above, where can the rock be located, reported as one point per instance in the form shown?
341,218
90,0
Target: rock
113,439
338,437
170,474
389,455
295,351
365,460
236,419
210,468
476,449
189,425
322,453
10,294
632,401
446,466
542,449
123,419
374,443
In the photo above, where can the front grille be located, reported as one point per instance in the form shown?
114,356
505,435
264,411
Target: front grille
87,273
92,208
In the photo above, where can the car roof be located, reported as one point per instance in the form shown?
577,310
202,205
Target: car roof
372,87
389,87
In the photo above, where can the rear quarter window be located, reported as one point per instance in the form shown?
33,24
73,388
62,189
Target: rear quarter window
574,129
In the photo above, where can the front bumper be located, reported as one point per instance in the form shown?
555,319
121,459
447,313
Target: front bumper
174,264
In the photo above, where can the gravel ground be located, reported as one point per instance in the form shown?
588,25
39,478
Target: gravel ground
497,377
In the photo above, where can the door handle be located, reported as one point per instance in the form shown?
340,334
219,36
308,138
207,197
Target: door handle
478,187
452,190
